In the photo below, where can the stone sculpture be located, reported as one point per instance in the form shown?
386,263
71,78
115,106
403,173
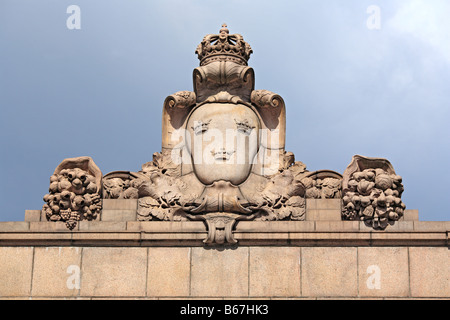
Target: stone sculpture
74,192
223,160
372,192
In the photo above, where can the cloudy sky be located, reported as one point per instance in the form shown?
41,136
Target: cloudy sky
352,83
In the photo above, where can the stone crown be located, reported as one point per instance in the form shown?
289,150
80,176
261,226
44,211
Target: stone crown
223,47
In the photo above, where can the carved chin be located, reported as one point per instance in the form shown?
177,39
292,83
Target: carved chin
235,174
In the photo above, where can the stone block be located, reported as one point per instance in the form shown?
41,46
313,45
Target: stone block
56,272
99,226
168,272
113,272
14,226
383,272
329,272
219,273
166,226
32,215
118,215
120,204
274,226
431,226
323,215
50,226
410,215
323,204
105,238
429,272
274,272
334,226
16,265
397,226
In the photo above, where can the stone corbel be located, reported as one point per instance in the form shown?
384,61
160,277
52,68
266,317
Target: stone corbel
220,227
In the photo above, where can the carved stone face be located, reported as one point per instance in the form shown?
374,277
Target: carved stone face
223,140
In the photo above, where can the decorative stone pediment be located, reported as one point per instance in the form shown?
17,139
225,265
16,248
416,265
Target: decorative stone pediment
223,160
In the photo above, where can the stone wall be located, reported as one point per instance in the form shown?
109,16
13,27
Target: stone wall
320,258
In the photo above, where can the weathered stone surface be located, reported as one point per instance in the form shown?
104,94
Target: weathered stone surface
15,269
431,226
329,272
120,204
323,215
48,226
166,227
336,226
217,273
169,272
323,204
33,215
410,215
118,215
74,192
372,192
113,272
394,227
274,226
56,272
383,272
11,226
98,226
429,272
274,272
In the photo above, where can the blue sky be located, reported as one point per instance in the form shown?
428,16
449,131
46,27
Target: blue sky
98,91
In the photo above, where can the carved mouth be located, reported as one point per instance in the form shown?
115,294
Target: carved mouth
222,155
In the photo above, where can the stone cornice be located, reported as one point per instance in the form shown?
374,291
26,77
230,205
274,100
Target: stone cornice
248,233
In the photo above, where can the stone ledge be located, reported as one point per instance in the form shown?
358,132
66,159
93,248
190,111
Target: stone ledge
143,239
188,298
241,226
166,227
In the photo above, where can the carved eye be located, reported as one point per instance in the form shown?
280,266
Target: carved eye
244,127
200,127
200,130
83,178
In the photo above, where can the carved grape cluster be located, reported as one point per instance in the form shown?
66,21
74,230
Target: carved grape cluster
374,196
73,196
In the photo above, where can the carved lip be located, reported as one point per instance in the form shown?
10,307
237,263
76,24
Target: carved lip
222,155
